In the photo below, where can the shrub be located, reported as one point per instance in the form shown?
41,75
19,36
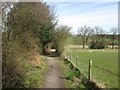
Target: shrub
59,38
92,45
98,45
27,31
73,73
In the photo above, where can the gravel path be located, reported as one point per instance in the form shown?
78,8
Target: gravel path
54,78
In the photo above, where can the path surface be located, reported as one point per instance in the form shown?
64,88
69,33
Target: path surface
54,78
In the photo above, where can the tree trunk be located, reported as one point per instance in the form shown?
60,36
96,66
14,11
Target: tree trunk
87,39
113,44
83,43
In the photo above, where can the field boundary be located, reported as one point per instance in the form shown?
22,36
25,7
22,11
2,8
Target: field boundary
88,83
106,70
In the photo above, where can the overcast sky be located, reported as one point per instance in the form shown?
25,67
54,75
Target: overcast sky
76,14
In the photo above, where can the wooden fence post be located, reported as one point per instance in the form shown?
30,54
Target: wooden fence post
76,60
89,70
70,57
67,55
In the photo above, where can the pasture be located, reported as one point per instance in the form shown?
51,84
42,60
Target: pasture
104,67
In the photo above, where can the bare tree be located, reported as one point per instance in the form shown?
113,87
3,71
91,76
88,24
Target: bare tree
90,33
114,31
84,31
97,31
6,6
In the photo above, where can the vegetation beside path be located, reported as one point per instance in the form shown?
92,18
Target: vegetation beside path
71,76
29,29
35,73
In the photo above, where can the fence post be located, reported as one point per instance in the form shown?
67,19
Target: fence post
70,57
64,55
89,70
67,56
76,60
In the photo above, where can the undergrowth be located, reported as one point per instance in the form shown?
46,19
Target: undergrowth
34,75
72,76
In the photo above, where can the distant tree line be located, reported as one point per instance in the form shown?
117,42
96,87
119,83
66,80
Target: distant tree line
96,36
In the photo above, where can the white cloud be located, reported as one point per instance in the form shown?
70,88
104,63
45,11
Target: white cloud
105,17
81,0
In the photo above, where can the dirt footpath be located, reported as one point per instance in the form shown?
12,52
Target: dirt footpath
54,78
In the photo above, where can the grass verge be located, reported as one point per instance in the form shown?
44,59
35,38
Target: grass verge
34,73
72,75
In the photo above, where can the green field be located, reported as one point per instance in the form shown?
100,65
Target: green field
105,64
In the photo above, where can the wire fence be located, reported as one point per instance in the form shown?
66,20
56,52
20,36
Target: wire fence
88,74
90,69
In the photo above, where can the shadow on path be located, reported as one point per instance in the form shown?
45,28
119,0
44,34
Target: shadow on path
51,54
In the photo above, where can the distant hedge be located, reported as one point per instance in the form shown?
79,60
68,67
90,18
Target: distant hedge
98,45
